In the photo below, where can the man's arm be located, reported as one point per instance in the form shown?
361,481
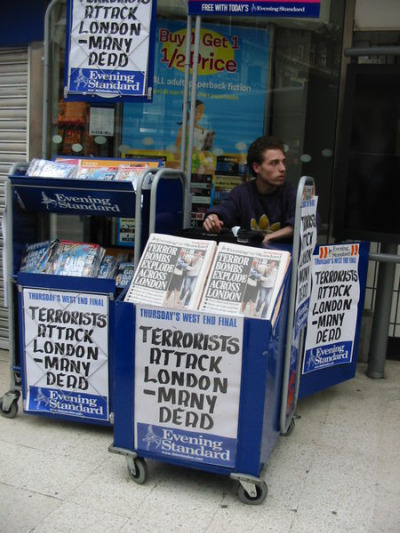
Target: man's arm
283,233
227,213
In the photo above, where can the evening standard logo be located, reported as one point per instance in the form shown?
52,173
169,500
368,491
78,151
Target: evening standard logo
176,443
82,203
103,81
328,356
258,8
81,81
344,250
73,404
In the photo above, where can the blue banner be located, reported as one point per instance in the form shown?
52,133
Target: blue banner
328,355
188,445
69,403
260,8
81,197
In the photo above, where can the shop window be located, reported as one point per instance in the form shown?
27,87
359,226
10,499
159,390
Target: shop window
256,75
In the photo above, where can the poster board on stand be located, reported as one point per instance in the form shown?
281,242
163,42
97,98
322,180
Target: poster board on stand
109,51
333,331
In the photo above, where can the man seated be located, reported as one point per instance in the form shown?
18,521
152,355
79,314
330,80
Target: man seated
266,203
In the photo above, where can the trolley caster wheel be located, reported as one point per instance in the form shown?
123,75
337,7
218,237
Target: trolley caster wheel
11,412
290,429
261,490
137,469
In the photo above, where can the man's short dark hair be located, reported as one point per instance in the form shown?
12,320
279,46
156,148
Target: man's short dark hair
255,153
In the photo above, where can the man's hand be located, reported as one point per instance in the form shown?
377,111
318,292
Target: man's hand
213,224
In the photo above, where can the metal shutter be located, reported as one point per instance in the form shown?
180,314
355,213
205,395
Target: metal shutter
14,69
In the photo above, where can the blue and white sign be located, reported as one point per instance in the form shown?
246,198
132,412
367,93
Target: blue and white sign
81,197
109,49
259,8
66,353
187,384
333,310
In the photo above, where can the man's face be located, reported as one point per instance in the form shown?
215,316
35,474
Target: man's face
272,170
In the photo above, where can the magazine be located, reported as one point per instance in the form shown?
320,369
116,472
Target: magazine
95,173
36,256
50,169
130,173
120,253
75,259
171,271
108,267
245,280
124,274
111,169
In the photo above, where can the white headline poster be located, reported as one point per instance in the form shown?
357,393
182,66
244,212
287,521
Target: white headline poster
109,47
334,300
308,239
66,352
187,384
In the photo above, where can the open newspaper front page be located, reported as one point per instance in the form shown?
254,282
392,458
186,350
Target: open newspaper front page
244,280
171,271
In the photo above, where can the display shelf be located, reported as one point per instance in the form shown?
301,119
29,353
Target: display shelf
31,205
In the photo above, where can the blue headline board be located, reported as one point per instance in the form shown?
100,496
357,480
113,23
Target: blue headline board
114,199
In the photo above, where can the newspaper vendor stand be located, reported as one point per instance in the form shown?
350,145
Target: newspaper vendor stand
46,359
231,424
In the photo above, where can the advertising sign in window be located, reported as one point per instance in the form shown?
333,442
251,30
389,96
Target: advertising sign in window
231,89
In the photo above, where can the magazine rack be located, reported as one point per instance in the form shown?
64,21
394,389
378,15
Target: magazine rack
29,202
256,414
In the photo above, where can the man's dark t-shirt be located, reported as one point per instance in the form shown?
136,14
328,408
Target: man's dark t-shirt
246,208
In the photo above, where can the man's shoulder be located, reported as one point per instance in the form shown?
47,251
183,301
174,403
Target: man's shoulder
289,185
288,188
247,185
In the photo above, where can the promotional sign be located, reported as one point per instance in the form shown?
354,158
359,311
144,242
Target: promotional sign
109,51
231,88
333,307
66,352
259,8
187,384
308,239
